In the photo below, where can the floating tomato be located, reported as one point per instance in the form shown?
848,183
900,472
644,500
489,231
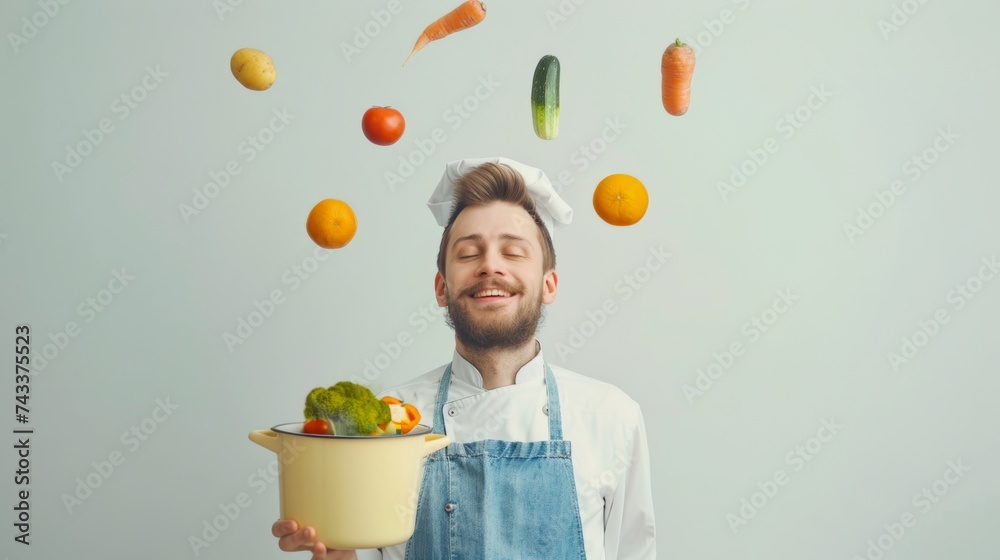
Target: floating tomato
383,125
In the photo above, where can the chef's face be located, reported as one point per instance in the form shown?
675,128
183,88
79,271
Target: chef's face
494,284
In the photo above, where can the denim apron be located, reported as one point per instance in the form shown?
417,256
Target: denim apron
498,500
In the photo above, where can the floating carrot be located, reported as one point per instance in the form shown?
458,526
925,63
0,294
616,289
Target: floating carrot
466,15
676,68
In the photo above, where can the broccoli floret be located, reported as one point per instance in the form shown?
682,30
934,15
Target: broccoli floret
350,408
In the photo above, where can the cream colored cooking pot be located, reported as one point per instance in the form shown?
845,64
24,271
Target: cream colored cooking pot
357,491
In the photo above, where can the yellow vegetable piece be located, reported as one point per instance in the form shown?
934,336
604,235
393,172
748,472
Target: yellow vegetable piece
253,68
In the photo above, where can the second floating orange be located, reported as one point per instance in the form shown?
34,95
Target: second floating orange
621,200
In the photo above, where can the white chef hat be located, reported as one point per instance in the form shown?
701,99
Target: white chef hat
553,210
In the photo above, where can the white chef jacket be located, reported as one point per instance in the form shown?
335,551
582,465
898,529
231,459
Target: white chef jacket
605,426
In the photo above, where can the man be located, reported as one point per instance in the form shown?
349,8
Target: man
544,463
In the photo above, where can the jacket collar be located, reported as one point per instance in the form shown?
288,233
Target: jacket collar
463,371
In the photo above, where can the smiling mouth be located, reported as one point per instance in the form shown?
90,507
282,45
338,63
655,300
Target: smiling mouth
490,294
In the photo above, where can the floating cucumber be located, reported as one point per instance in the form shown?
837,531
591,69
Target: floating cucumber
545,98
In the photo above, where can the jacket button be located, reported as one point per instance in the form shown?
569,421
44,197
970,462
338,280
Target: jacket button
452,412
450,507
545,409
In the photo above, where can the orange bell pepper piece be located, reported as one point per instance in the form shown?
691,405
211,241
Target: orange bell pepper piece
412,414
412,418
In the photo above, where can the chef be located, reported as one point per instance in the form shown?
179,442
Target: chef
544,463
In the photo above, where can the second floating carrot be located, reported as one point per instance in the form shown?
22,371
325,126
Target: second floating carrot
466,15
676,68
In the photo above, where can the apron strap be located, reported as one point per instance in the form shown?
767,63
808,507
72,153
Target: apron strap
442,398
555,412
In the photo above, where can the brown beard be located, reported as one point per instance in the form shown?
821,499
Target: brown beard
496,333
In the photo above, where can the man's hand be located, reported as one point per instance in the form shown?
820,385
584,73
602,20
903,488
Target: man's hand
292,539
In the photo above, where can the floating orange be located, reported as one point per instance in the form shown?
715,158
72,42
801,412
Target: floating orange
331,224
621,200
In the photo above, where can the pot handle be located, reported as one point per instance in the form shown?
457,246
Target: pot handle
266,438
433,442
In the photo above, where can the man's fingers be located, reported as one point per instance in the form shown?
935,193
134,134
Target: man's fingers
284,527
299,540
319,551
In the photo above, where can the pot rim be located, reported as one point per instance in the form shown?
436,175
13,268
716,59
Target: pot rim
288,428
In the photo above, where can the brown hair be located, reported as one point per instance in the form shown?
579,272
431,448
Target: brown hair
495,182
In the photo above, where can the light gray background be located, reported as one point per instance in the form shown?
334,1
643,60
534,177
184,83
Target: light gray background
826,357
